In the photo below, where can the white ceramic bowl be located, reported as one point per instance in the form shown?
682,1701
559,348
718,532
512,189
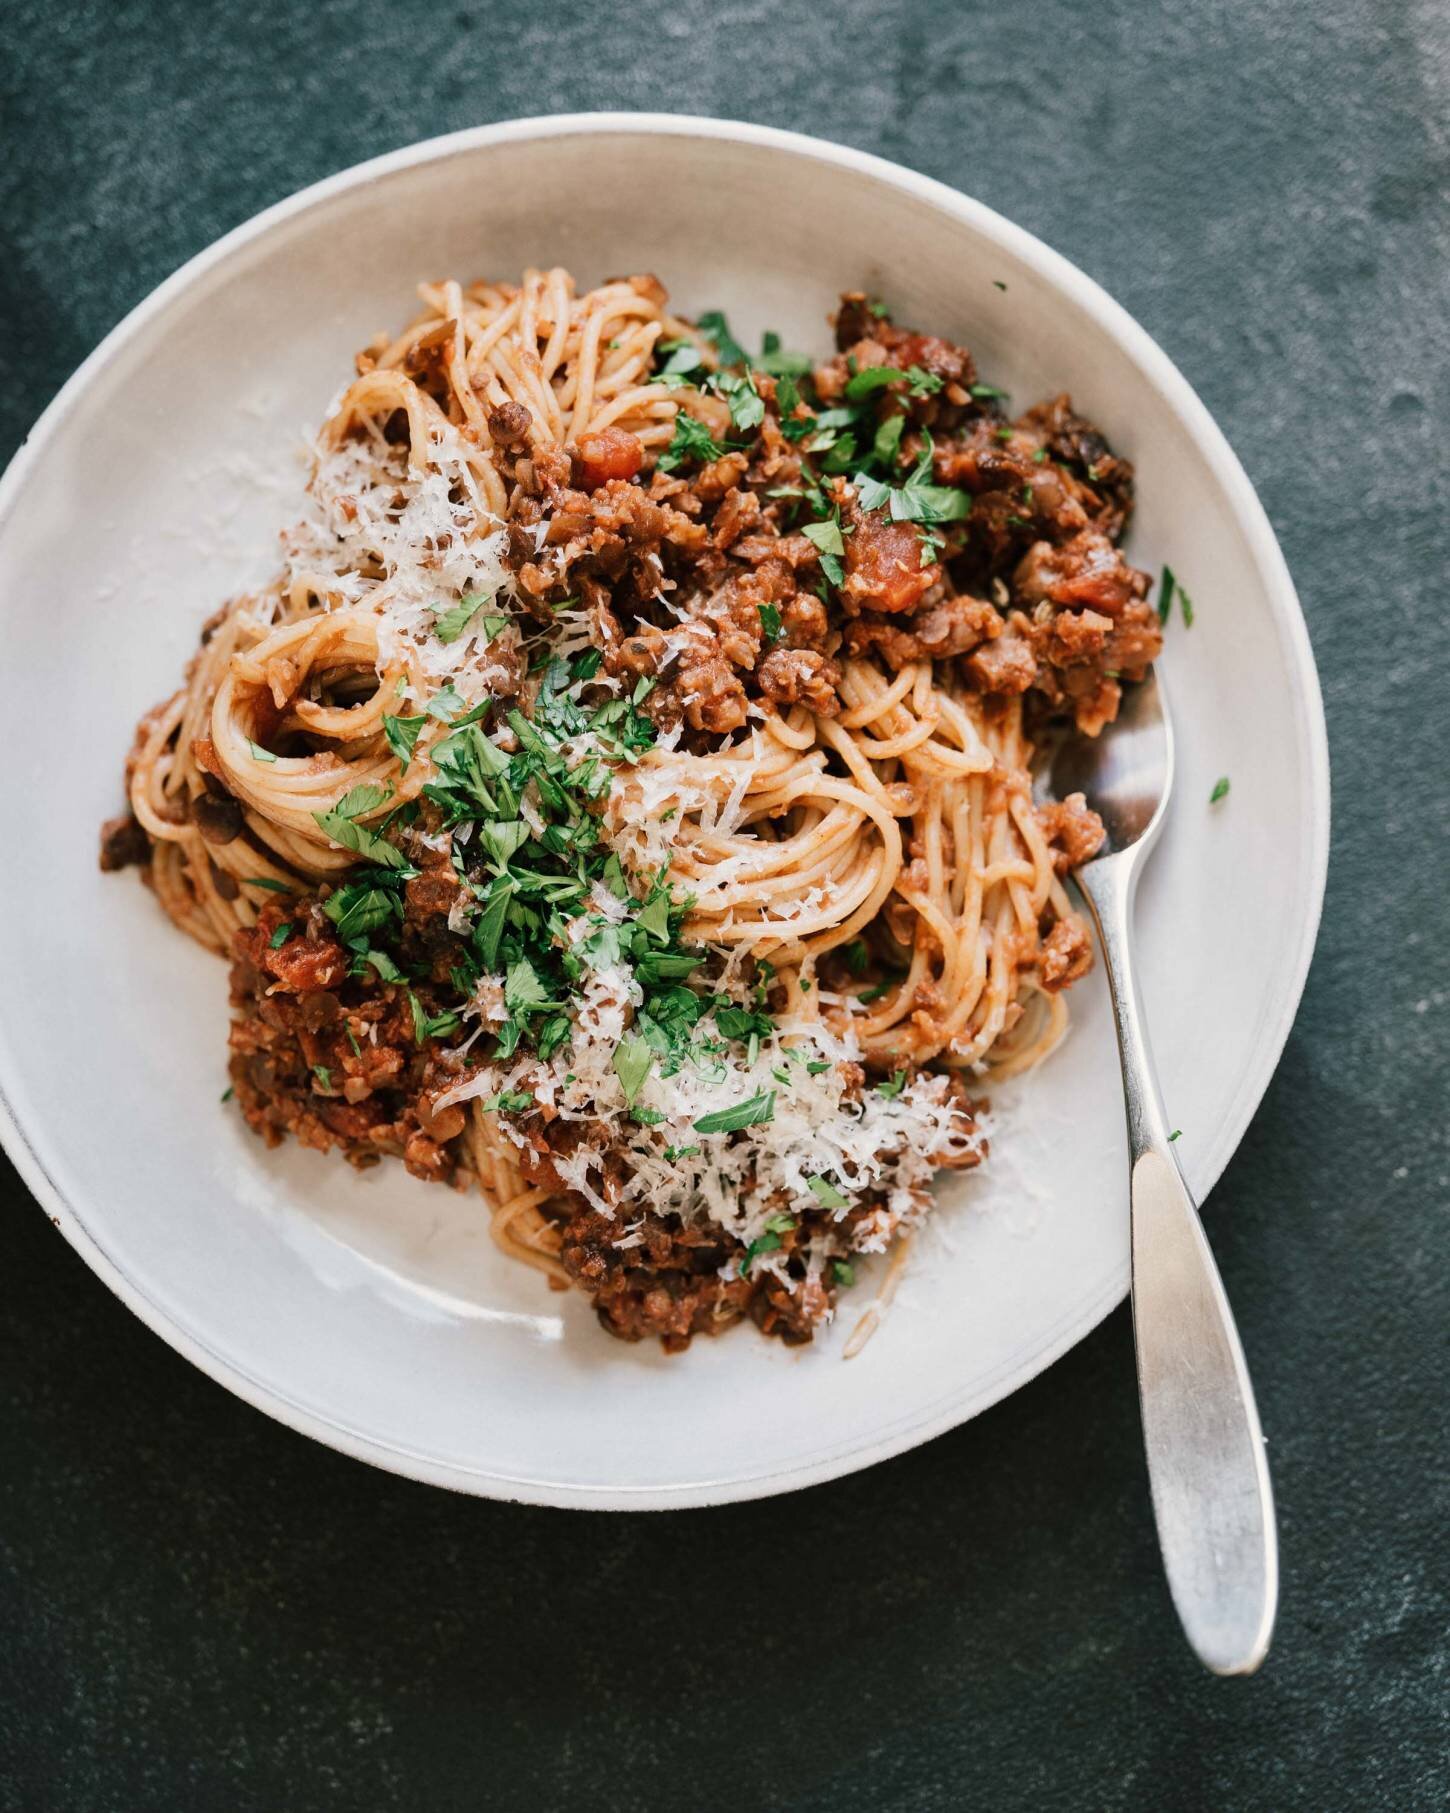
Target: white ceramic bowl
372,1312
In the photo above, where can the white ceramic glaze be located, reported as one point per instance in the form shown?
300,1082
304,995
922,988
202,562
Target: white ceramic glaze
371,1312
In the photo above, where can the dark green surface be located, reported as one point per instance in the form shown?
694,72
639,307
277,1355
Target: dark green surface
202,1610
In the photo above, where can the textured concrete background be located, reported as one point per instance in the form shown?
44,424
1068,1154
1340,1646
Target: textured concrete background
202,1610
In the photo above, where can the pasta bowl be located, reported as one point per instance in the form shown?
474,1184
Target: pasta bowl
373,1312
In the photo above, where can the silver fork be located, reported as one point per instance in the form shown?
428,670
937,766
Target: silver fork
1210,1481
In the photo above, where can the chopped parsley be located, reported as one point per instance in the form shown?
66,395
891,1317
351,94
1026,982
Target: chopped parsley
917,499
827,539
452,623
280,935
919,381
436,1027
873,378
713,325
323,1075
747,406
759,1109
258,753
826,536
444,705
843,1272
826,1193
768,1242
1177,1133
361,907
1170,589
633,1060
682,362
1220,788
895,1086
402,735
508,1101
781,364
770,622
691,440
339,824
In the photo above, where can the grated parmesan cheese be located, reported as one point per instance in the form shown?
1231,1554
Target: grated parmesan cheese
822,1126
412,543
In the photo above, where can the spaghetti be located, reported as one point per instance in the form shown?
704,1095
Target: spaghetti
621,799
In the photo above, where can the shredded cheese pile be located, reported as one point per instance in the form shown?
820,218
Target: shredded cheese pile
830,1137
415,543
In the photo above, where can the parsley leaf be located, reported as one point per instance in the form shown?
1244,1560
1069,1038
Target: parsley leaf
759,1109
770,622
654,917
873,378
1220,788
781,364
280,936
826,536
522,989
436,1027
871,493
716,330
1165,594
768,1242
920,501
895,1086
503,838
361,907
402,735
340,827
633,1060
691,441
444,705
258,753
451,625
747,406
684,358
887,442
508,1101
741,1022
826,1193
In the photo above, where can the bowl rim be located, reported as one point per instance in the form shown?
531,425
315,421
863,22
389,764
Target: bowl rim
1064,277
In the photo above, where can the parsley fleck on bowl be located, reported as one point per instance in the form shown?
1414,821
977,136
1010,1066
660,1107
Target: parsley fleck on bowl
373,1312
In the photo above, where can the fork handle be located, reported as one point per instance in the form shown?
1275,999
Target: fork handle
1212,1500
